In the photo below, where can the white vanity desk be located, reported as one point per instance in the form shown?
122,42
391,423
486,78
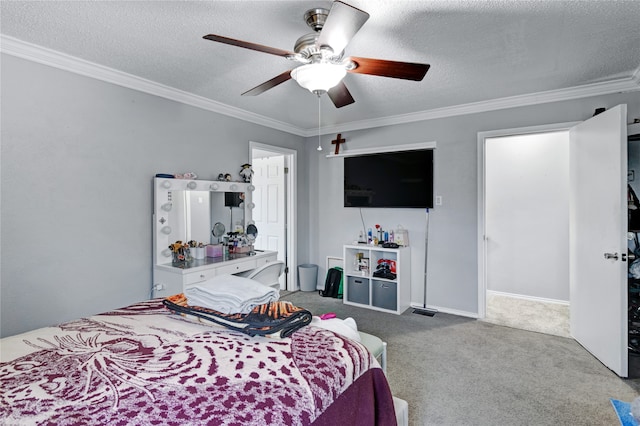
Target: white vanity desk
187,210
169,280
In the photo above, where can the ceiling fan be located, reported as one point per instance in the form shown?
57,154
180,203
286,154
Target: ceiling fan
321,55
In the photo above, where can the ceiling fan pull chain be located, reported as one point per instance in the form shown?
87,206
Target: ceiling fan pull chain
319,109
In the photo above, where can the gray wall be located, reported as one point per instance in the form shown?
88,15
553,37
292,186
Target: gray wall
78,158
527,215
452,264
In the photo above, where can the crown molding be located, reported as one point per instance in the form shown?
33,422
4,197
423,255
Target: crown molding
42,55
53,58
636,76
626,84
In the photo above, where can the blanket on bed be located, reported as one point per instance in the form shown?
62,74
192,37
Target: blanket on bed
267,319
142,365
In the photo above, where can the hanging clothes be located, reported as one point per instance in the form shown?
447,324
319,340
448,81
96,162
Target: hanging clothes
633,206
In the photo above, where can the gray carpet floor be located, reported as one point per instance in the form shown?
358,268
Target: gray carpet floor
459,371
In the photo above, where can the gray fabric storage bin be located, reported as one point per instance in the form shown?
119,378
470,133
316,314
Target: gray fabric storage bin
358,290
384,294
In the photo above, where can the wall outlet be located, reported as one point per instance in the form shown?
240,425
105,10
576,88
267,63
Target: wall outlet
438,200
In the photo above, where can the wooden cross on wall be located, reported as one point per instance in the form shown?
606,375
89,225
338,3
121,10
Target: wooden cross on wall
337,141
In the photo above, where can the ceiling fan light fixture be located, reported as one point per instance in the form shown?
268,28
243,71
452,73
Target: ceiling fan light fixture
318,78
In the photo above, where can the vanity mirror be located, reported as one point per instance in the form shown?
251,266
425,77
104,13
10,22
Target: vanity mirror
187,210
217,232
197,214
204,211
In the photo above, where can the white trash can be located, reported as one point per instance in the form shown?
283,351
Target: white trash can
308,277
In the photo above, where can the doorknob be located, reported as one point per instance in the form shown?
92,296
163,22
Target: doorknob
613,256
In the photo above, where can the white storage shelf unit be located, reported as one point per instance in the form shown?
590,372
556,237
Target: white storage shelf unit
362,289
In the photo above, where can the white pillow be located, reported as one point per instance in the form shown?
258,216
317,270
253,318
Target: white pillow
346,327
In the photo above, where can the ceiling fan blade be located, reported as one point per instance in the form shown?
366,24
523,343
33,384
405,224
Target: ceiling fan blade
342,24
269,84
340,95
248,45
393,69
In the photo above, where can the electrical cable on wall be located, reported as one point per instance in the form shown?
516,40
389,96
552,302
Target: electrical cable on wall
364,228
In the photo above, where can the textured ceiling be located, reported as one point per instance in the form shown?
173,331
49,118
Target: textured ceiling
478,50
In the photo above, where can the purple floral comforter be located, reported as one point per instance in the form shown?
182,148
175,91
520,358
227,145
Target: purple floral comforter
142,365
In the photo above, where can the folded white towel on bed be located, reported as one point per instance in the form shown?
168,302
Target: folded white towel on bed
230,294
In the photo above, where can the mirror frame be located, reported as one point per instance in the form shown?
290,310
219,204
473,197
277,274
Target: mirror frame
162,217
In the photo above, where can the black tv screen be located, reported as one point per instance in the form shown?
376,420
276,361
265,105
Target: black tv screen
402,179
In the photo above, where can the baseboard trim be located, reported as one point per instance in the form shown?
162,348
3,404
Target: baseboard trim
447,310
526,297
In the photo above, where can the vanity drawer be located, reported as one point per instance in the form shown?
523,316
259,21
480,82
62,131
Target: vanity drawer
236,267
264,260
197,277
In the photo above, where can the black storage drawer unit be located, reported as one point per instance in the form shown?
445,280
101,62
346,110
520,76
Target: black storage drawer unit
384,294
358,290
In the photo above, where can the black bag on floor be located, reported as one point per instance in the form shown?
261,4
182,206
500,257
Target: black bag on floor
333,283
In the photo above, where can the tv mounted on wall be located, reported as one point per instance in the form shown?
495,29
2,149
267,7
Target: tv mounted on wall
401,179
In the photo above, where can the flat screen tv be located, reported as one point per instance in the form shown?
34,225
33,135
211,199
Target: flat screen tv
402,179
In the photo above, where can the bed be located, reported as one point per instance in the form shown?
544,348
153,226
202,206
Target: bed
145,365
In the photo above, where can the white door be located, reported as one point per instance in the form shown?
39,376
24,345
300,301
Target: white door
269,199
598,224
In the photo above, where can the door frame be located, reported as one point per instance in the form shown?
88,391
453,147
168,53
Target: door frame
291,197
481,238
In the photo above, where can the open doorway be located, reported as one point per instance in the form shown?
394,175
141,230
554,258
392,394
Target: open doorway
274,197
524,246
598,275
